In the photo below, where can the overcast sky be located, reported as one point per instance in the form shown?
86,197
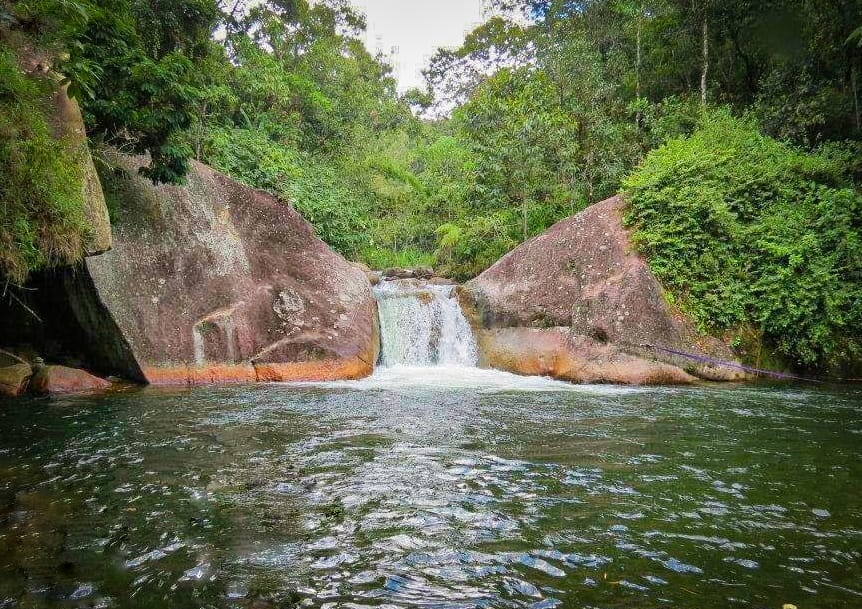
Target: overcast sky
415,29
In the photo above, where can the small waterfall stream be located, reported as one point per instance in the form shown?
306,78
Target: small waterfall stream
423,325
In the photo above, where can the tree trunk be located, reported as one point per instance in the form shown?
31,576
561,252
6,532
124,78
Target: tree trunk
638,67
200,134
705,70
524,214
854,83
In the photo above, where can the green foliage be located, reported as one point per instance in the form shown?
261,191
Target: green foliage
383,258
747,231
313,188
466,249
134,67
41,178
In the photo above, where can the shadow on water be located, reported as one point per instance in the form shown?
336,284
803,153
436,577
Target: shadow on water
435,489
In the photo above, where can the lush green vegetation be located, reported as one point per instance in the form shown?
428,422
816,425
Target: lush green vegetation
41,188
753,235
543,110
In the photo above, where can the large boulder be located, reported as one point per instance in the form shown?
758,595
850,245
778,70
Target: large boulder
54,380
217,282
578,299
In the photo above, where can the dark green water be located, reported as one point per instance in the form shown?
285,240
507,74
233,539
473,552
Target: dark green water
385,495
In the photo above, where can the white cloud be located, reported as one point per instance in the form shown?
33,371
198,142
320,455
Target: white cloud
414,29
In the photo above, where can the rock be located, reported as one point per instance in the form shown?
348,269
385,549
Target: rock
216,282
373,277
420,272
583,276
68,123
14,379
60,380
558,353
423,272
442,281
398,273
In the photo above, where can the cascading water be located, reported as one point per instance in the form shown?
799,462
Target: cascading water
423,325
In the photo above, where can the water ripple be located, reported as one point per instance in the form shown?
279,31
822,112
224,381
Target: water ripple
487,491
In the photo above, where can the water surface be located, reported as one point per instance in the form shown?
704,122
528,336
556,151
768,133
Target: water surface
437,489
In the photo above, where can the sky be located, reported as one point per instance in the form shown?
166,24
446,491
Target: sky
414,29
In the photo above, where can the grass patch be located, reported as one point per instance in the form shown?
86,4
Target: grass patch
380,258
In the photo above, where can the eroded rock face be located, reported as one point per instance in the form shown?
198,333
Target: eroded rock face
217,282
578,296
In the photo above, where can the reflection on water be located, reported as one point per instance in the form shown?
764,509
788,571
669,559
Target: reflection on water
477,491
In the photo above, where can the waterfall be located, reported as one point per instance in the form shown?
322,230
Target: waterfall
423,325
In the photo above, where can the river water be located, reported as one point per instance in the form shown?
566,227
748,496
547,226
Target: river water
433,484
433,487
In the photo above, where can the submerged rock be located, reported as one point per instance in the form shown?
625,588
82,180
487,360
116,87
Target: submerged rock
577,303
217,282
14,379
61,379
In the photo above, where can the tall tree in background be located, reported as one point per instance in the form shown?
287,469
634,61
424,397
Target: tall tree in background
704,72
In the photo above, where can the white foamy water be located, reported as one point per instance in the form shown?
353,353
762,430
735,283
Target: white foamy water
460,377
423,325
427,342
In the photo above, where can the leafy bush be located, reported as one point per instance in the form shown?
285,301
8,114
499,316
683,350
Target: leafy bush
748,232
41,179
314,188
465,250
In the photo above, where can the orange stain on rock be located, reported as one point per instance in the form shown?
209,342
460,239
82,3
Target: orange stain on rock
223,374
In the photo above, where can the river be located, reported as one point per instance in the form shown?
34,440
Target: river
433,484
433,488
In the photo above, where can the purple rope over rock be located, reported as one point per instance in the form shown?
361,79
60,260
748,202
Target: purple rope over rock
711,360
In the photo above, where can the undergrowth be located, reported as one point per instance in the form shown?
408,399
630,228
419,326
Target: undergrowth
42,222
749,233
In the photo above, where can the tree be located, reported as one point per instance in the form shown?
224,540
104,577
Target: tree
132,65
